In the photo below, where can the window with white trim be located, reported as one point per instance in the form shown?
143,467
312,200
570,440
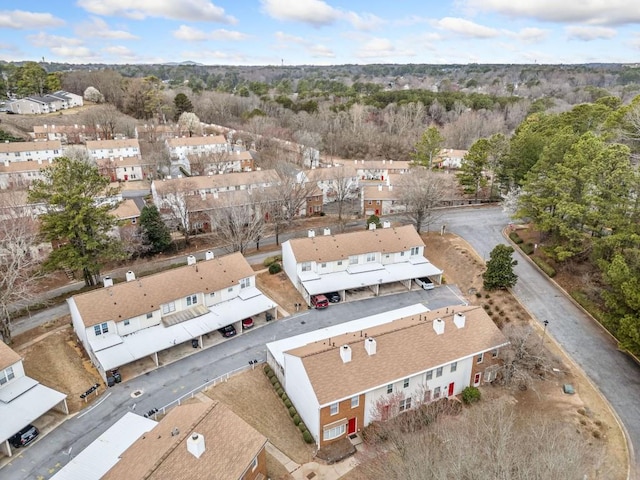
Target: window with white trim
494,353
436,392
353,260
480,358
439,372
335,432
390,388
429,374
405,404
333,408
150,315
101,328
405,383
168,307
254,464
126,323
415,251
339,262
355,401
192,300
454,367
245,282
371,257
6,375
306,266
230,289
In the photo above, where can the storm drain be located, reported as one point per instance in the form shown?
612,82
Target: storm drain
136,393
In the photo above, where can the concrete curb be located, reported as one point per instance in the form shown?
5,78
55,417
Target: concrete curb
631,466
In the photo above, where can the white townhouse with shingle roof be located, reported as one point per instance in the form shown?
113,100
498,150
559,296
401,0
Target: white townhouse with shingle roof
356,260
22,399
41,151
139,318
128,147
181,147
342,378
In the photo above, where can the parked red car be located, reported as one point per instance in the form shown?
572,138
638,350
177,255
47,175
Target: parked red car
247,323
319,301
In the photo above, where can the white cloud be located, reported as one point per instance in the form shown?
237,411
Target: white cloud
466,28
285,38
318,51
285,41
120,51
587,34
381,47
411,20
314,12
532,34
193,10
21,20
594,12
98,28
191,34
71,54
318,13
45,40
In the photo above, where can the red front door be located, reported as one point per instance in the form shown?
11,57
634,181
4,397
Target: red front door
352,425
450,389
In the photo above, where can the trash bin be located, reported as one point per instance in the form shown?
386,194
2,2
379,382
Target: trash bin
269,317
117,377
194,343
111,381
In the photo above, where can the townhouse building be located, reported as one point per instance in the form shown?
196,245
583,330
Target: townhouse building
44,151
112,149
182,147
334,182
51,102
342,378
351,261
23,400
381,199
141,317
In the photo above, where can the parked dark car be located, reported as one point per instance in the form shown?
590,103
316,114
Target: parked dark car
24,437
319,301
333,297
247,323
228,331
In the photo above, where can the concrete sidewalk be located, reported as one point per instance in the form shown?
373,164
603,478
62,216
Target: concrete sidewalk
315,470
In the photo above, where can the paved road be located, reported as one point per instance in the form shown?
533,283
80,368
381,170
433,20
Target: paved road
43,458
614,373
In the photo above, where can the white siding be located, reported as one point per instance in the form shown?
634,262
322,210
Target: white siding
302,396
289,263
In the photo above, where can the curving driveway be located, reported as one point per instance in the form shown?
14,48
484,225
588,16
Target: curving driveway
616,375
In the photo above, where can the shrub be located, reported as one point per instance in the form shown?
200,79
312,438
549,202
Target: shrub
277,386
478,295
470,395
292,411
306,436
268,261
270,375
280,391
302,427
275,268
515,238
486,295
273,380
527,248
284,396
545,267
287,403
267,369
296,419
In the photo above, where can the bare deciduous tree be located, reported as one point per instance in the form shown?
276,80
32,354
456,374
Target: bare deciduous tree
189,122
174,205
238,226
421,191
19,263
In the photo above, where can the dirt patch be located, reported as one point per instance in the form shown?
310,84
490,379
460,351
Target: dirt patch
57,361
276,470
336,451
281,290
252,397
22,340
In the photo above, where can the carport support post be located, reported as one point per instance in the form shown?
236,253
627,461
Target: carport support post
155,359
201,339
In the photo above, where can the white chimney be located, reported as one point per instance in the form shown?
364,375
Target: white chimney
311,233
370,346
438,326
384,161
391,188
459,319
195,445
107,281
327,231
386,224
345,353
372,226
379,188
208,255
191,260
130,276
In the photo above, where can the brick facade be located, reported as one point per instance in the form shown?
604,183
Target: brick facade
343,417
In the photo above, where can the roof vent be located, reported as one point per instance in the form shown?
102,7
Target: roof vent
130,276
191,260
107,281
195,445
459,319
438,326
345,353
208,255
175,432
370,346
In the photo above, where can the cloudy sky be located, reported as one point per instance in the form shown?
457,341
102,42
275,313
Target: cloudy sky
268,32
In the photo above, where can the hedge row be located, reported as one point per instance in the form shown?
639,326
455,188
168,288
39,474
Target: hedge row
306,436
270,260
545,267
527,248
515,238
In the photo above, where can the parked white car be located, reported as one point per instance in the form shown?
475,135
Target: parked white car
425,283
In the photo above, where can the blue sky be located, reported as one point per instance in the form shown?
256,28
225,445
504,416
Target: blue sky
268,32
